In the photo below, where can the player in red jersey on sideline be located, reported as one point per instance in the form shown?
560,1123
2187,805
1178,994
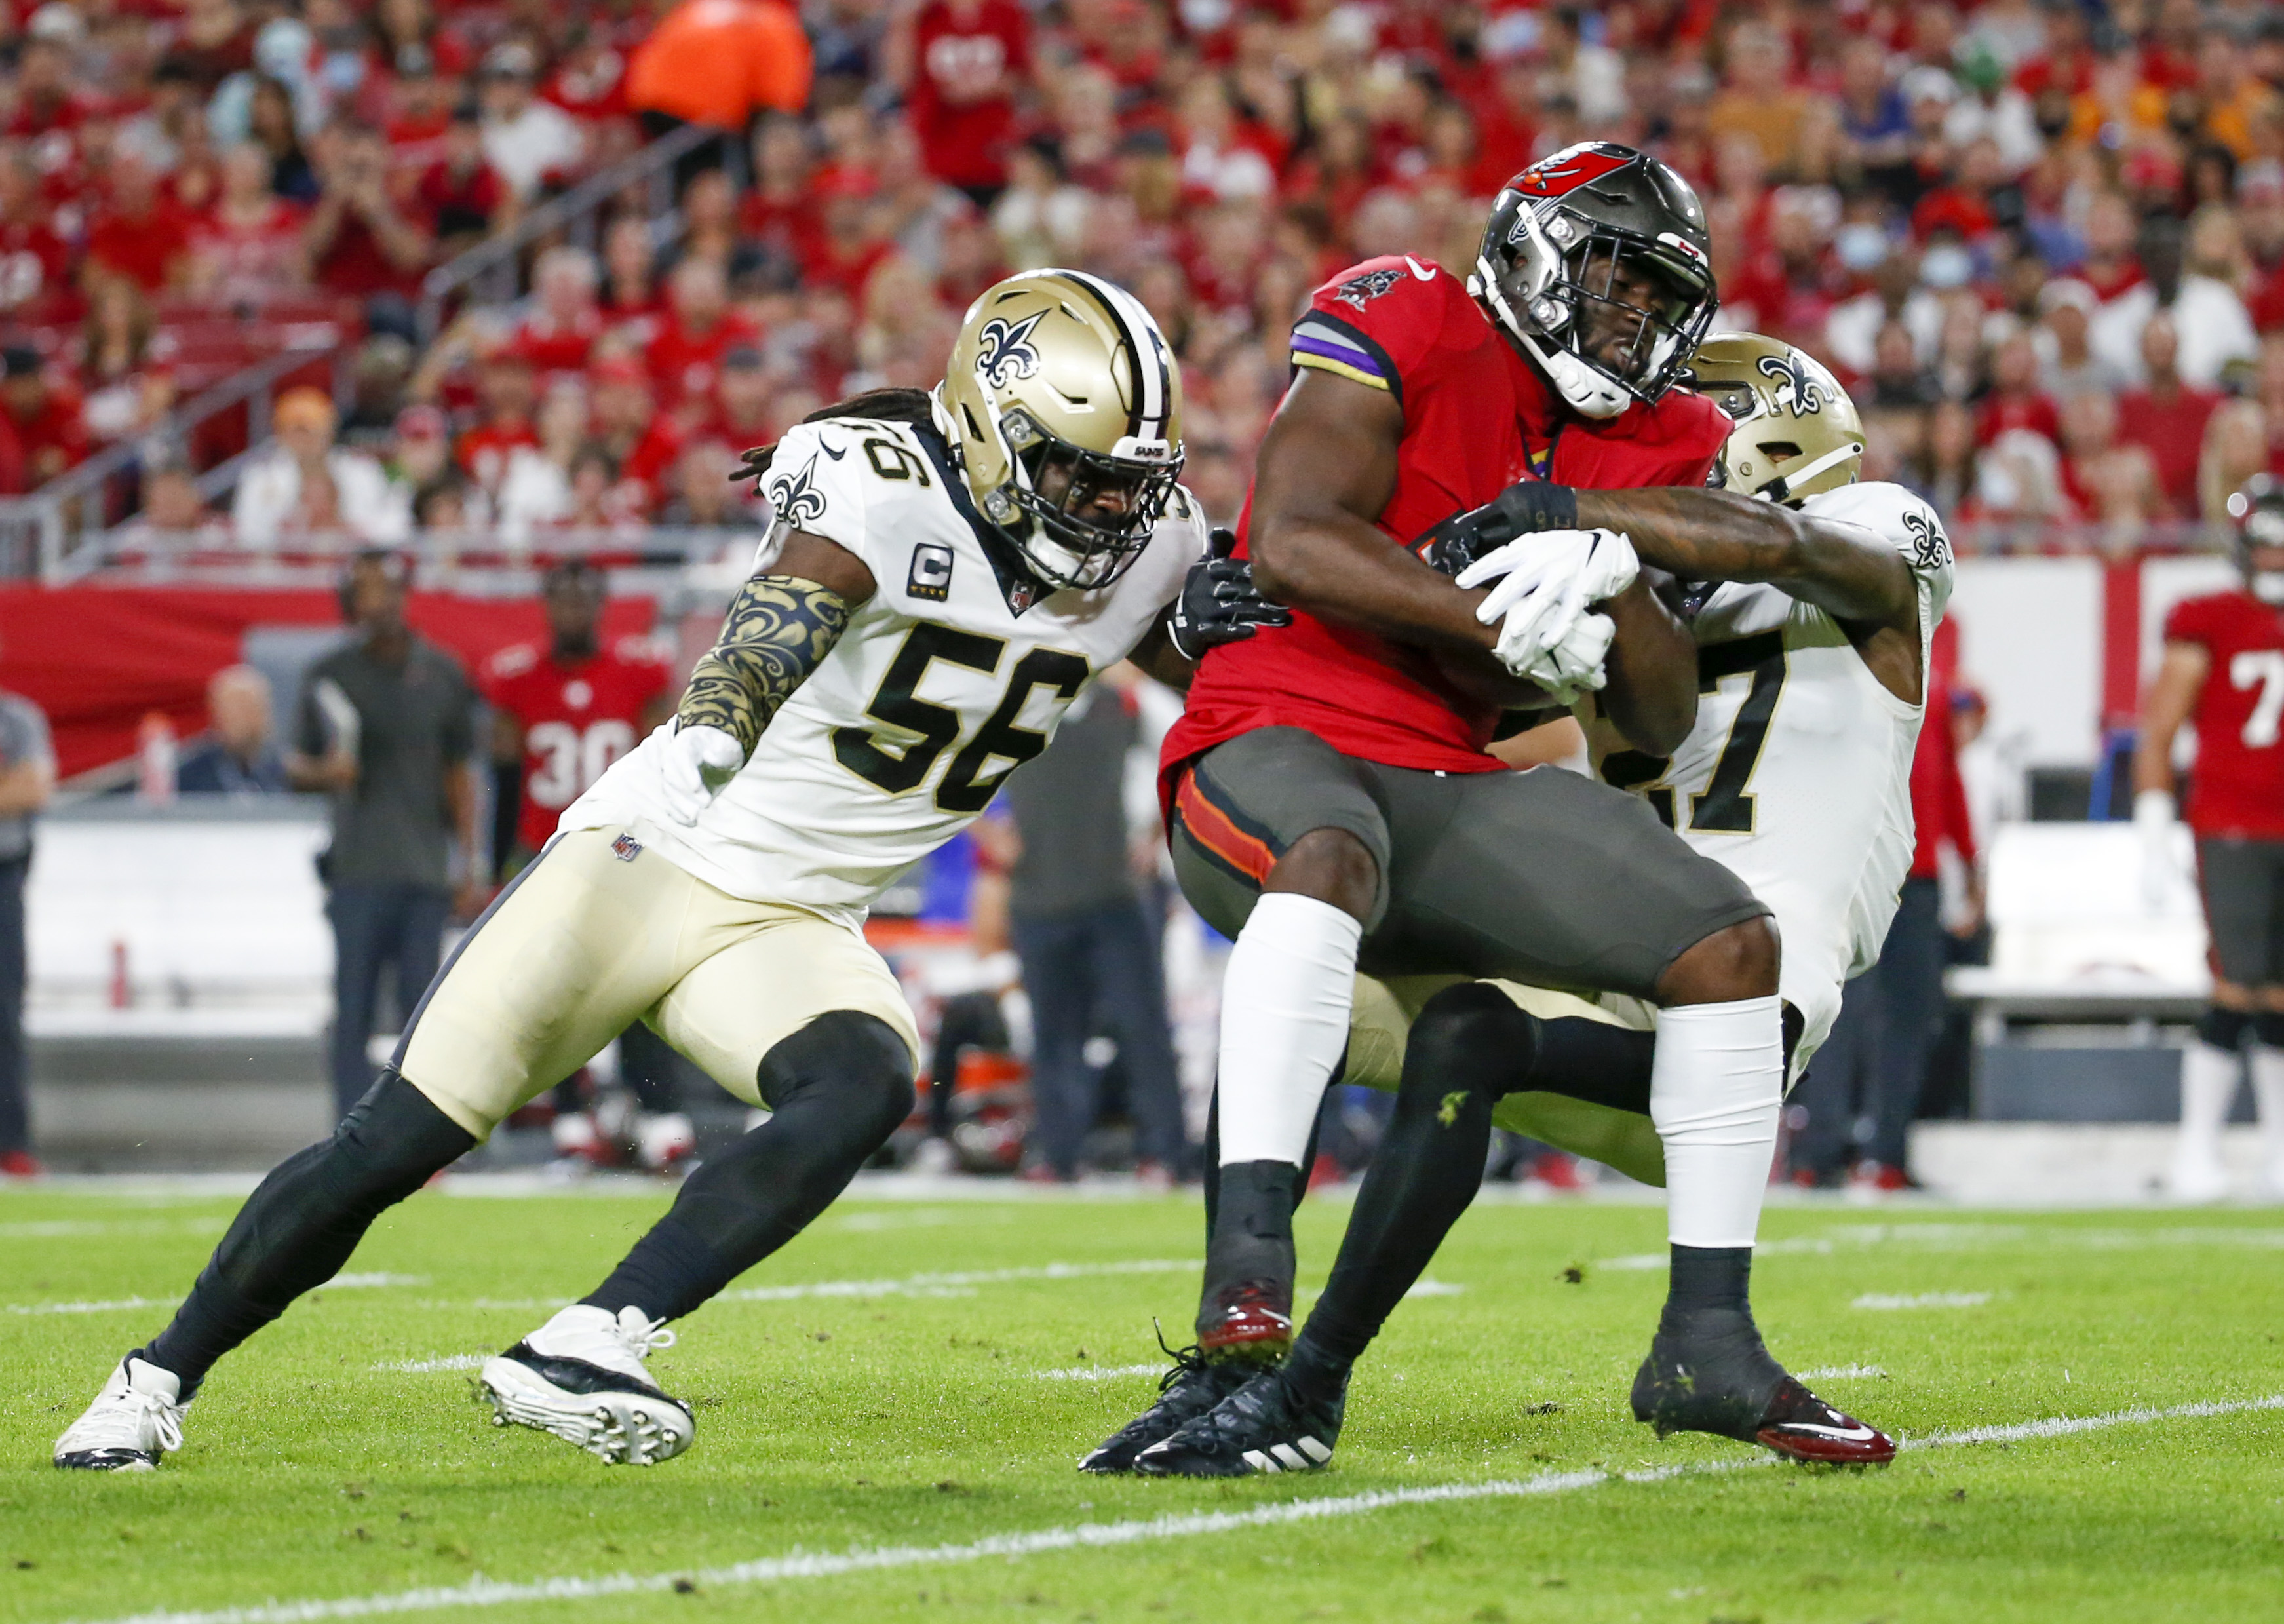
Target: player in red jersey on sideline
562,712
1331,806
2224,672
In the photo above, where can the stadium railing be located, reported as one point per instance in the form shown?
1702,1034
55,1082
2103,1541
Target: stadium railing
54,532
492,271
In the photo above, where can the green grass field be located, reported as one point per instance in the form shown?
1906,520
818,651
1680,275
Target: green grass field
859,1447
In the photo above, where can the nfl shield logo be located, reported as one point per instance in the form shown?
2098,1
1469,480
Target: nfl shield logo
626,848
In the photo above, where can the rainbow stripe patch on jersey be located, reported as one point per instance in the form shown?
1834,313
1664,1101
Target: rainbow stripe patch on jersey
1326,346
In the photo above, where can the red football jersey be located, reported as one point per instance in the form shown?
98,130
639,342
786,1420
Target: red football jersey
1476,419
2238,787
578,718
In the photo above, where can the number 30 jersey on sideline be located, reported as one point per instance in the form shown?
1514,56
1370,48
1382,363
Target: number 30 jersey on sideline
578,718
2238,787
945,681
1797,775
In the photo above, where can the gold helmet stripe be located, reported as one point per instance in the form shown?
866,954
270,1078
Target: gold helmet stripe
1153,392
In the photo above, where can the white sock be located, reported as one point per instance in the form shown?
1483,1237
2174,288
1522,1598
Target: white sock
2268,1095
1284,1021
1715,1090
2208,1085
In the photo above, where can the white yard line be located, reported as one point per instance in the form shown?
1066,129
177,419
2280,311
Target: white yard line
443,1361
1839,1372
1092,1536
1091,1373
339,1282
60,1228
1889,1300
1980,1237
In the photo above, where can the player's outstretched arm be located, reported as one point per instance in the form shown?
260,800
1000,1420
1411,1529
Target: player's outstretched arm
1326,469
780,626
1722,536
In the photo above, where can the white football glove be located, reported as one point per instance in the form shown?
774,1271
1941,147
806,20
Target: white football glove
698,762
1573,667
1544,584
2154,822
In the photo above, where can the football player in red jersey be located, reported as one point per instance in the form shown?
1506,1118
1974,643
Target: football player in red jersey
561,714
1331,806
2224,672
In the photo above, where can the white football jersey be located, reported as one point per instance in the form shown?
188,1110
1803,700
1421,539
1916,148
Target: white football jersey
1797,776
947,679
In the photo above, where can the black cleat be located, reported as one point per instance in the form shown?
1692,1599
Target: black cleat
1707,1372
1194,1385
1712,1374
1266,1426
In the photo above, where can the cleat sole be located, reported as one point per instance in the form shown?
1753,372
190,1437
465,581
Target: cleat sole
618,1428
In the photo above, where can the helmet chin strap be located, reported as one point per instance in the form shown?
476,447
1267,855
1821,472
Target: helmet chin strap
1584,390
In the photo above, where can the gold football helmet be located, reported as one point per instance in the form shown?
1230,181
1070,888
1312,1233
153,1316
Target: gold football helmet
1066,403
1796,433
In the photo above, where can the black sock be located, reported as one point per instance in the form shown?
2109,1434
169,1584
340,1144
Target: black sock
1703,1277
213,1319
1591,1060
836,1089
1462,1051
669,1272
1251,1242
297,1230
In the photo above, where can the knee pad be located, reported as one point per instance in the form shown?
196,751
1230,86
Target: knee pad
2225,1029
1473,1032
2268,1029
854,1061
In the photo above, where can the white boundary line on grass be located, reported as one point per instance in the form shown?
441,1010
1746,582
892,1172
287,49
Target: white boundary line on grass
827,1564
339,1282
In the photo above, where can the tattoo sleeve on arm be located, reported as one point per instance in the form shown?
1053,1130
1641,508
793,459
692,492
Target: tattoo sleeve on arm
779,629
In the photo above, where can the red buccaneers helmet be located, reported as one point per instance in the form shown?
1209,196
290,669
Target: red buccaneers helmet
1596,264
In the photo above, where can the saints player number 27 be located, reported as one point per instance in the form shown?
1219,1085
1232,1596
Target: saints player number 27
2263,669
899,766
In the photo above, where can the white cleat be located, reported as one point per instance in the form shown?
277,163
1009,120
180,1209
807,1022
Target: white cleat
581,1376
2196,1178
134,1420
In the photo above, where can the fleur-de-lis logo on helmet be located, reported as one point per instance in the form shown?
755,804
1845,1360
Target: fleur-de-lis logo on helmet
1795,388
797,500
1004,352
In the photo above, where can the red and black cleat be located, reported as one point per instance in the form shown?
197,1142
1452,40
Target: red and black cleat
1801,1426
1250,1322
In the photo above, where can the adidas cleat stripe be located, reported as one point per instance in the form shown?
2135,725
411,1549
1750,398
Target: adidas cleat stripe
1260,1461
1316,1451
1289,1457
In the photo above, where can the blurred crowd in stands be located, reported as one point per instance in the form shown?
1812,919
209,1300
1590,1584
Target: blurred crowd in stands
2042,240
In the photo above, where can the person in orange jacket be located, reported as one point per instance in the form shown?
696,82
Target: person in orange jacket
714,63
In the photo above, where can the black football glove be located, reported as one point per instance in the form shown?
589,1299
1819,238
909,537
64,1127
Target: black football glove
1526,506
1219,602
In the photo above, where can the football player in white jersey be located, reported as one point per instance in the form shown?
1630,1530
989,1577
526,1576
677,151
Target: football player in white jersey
945,574
1813,601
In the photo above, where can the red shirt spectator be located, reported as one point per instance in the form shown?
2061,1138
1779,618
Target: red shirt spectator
34,262
45,417
699,330
968,59
460,193
2015,401
630,426
248,246
509,391
359,242
139,236
2166,417
590,80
